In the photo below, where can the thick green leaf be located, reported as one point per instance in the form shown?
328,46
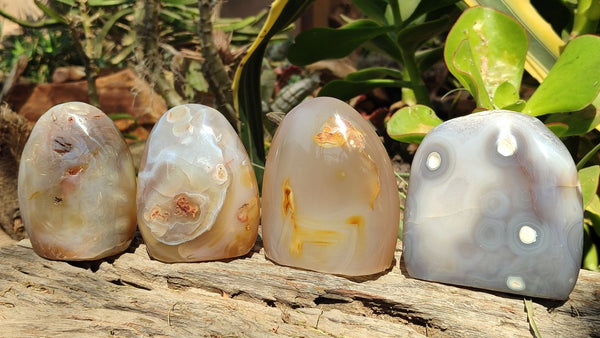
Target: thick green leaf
579,122
573,82
558,128
484,49
327,43
374,9
506,95
591,254
466,71
544,43
411,124
374,73
594,208
588,178
345,89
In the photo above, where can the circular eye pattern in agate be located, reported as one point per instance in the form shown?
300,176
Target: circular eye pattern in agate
506,145
515,283
495,203
438,160
489,234
526,235
434,161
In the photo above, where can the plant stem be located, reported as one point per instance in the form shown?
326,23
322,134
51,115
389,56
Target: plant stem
86,50
586,18
213,68
396,12
148,33
418,92
588,156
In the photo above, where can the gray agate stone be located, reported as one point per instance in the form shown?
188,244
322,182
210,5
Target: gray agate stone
494,202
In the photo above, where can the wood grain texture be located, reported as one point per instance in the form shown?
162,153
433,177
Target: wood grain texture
132,295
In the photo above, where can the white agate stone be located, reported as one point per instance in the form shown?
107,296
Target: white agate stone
494,202
77,185
330,201
197,194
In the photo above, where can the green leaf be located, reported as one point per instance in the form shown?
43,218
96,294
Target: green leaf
428,6
558,128
233,26
386,45
411,124
579,122
588,178
530,319
99,39
374,9
327,43
484,49
426,58
246,83
181,2
506,95
594,207
573,82
594,151
407,8
104,3
374,73
467,73
50,12
70,3
544,44
121,116
345,89
412,37
591,255
30,24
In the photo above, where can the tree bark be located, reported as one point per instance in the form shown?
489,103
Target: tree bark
131,295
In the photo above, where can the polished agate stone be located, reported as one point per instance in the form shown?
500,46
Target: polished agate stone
494,202
330,201
197,193
77,185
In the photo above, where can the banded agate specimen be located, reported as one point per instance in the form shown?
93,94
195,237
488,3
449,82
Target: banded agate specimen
197,194
330,201
77,185
494,202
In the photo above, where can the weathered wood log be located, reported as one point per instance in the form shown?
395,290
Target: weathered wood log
132,295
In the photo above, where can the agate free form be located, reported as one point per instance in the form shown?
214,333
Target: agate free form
197,193
494,202
330,201
77,185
